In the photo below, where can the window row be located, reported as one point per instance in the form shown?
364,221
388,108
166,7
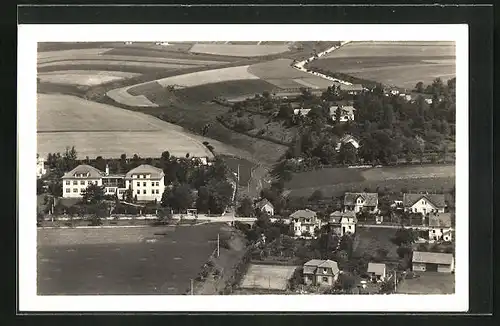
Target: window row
153,183
144,192
82,182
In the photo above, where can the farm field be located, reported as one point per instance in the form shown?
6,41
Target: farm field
120,261
395,185
271,277
83,77
428,283
280,73
383,61
98,129
240,50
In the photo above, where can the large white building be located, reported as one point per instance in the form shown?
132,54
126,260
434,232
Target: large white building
145,181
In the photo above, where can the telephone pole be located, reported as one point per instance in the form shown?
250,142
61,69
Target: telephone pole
192,290
218,245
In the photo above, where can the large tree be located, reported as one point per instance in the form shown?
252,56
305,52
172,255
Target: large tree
221,192
246,207
93,194
181,197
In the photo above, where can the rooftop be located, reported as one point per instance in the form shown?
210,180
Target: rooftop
437,200
370,198
89,172
155,172
376,268
432,257
303,213
440,220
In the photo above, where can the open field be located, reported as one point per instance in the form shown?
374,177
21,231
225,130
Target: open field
280,73
116,63
120,261
428,283
98,129
83,77
268,277
369,240
383,61
332,176
239,50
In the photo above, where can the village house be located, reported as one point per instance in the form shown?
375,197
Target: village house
376,271
40,167
321,272
433,262
361,201
145,181
440,227
304,221
265,206
424,203
347,139
347,113
343,222
352,89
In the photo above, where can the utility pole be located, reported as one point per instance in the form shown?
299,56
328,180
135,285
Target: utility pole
218,245
395,281
192,290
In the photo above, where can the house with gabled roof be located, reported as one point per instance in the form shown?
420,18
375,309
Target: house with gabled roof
145,181
304,221
361,201
440,227
424,203
265,205
343,222
433,262
376,271
347,140
346,113
321,272
77,180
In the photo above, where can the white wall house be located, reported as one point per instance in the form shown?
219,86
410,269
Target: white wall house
78,179
346,114
146,182
440,227
304,221
265,206
424,203
347,139
343,222
40,167
364,201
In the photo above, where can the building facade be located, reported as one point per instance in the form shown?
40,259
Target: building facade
320,272
433,262
145,181
357,202
346,114
40,167
265,206
304,223
343,222
424,203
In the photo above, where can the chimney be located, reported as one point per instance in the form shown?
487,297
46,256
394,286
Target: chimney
107,169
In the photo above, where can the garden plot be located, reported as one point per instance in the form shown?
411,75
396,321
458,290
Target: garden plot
239,50
84,77
410,172
274,277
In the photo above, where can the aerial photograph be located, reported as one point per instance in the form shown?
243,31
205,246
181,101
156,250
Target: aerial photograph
243,168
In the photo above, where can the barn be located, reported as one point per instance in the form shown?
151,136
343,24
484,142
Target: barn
433,262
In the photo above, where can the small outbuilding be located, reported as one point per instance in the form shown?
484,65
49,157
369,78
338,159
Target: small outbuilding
433,262
376,271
